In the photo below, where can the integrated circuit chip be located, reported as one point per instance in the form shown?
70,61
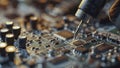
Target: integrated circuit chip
65,34
65,51
78,43
81,50
103,47
89,39
59,26
59,60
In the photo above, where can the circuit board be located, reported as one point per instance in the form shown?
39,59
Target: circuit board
42,40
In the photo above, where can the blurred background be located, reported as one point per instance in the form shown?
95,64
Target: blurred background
17,10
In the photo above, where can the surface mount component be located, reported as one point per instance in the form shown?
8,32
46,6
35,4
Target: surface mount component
103,47
64,34
59,60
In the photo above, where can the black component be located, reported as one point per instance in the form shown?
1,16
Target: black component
22,42
10,39
82,50
3,32
16,31
47,46
103,48
89,39
27,19
33,48
28,44
36,48
2,49
33,22
65,51
78,43
59,26
59,60
64,34
10,52
92,7
9,25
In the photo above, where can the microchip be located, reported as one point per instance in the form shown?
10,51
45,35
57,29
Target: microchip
65,34
65,51
82,50
59,26
59,60
103,47
78,43
89,39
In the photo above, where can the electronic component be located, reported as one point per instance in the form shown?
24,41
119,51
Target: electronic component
47,35
81,50
65,51
2,49
79,43
27,19
16,31
9,39
89,39
103,47
3,33
22,42
58,60
33,22
64,35
59,26
9,25
10,52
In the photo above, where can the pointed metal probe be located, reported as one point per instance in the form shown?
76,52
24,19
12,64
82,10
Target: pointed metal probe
77,30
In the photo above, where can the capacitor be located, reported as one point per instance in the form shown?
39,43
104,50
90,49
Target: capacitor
16,31
2,49
9,39
22,42
3,33
10,50
9,25
33,22
27,19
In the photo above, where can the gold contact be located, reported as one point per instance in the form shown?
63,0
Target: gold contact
33,18
9,35
16,27
22,36
9,23
3,45
4,30
10,49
